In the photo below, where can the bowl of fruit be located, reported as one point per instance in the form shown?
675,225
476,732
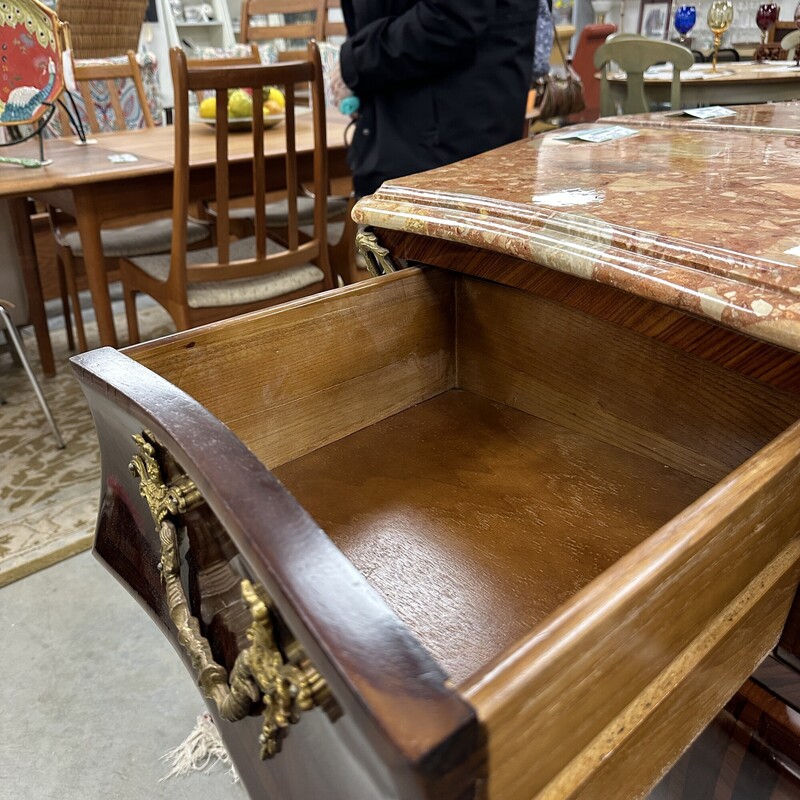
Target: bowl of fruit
240,109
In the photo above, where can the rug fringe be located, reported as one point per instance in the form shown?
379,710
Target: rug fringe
200,751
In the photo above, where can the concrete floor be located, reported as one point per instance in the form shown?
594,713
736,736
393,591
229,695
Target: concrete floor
91,694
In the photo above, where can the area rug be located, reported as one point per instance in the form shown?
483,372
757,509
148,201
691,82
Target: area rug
49,497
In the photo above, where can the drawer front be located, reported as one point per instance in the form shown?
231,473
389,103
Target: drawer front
613,687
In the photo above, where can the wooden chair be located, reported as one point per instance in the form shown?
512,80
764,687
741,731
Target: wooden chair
590,39
132,240
789,43
635,54
108,75
242,275
255,32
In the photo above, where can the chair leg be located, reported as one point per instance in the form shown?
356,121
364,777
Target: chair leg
62,288
72,290
130,312
17,342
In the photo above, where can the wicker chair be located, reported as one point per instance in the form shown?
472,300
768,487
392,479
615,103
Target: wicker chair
100,28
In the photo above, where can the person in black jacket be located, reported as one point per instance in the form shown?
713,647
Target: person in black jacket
437,81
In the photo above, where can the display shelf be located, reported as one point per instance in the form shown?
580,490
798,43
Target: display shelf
212,23
168,32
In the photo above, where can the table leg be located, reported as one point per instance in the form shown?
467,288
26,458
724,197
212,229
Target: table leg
26,249
95,264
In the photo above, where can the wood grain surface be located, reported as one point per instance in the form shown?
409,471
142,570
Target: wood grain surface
601,649
474,520
614,384
315,370
765,362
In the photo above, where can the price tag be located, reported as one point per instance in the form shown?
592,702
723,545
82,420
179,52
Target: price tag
608,133
710,112
122,158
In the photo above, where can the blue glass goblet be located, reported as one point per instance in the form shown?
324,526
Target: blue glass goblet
685,18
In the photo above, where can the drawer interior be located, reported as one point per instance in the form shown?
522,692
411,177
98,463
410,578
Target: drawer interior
475,520
563,443
479,453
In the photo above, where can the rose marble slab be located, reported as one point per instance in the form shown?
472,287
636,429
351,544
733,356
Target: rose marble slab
780,119
702,223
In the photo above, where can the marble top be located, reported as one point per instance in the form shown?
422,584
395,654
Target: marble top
774,118
701,222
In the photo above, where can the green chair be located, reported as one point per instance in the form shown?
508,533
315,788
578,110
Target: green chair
635,54
790,42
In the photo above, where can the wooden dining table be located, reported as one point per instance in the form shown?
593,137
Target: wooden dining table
91,183
733,83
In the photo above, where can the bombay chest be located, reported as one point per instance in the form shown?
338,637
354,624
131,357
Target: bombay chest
513,521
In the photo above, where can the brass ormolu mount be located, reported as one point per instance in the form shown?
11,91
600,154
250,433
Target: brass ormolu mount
285,684
377,257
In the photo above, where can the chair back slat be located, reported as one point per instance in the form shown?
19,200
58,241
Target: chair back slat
321,181
259,178
221,178
291,172
88,104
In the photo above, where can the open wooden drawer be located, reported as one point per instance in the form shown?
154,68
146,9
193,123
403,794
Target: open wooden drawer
542,552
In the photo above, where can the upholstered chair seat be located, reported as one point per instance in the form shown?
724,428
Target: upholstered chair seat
137,240
217,294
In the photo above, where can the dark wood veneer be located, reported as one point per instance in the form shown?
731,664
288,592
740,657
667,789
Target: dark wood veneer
766,362
392,693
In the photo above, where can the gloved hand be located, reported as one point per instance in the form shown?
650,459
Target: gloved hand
343,96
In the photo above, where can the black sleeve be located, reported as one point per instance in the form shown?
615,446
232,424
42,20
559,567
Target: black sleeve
432,37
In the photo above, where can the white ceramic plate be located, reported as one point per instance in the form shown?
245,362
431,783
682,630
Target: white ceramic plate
241,123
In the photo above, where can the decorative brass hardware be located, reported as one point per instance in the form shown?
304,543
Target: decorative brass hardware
261,673
379,262
177,498
287,687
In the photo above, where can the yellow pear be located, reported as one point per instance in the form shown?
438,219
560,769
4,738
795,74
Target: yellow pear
240,104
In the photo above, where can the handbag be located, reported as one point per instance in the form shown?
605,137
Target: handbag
559,95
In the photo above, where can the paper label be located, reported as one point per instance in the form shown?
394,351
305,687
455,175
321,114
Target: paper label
607,133
710,112
122,158
68,70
